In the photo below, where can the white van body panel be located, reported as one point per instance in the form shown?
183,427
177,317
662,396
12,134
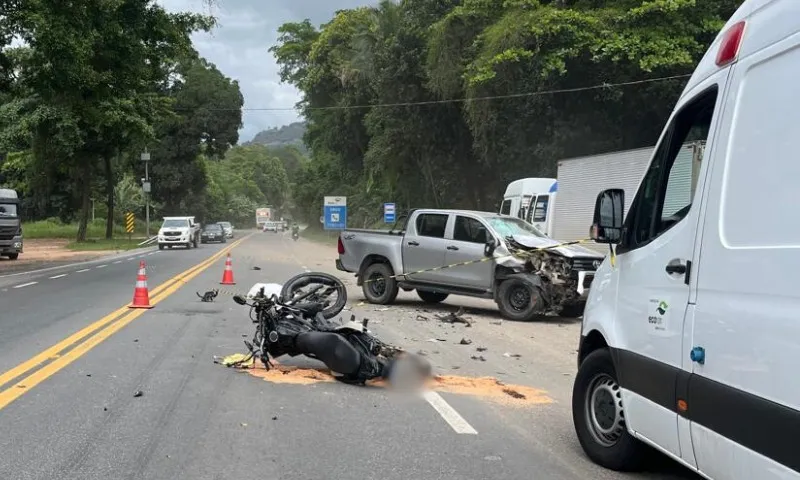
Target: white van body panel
521,197
730,337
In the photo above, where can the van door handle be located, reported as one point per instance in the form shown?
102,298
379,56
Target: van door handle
678,268
452,247
413,244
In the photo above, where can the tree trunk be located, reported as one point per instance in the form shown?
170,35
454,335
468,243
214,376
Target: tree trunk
109,171
86,173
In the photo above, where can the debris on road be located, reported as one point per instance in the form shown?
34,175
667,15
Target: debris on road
138,393
209,296
422,318
455,317
256,268
512,355
497,322
481,349
465,341
422,353
513,393
479,357
384,309
275,417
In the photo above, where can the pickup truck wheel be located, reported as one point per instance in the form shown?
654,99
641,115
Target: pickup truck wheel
379,287
13,256
519,300
431,297
599,418
161,246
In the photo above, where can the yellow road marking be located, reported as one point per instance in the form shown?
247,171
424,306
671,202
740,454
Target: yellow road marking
161,292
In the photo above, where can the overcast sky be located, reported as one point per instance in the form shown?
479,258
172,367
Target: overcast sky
239,48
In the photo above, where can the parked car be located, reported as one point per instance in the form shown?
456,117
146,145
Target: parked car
213,232
227,228
690,343
551,281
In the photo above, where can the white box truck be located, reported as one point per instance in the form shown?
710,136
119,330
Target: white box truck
581,179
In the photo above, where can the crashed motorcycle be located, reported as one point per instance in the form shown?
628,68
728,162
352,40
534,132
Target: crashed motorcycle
296,319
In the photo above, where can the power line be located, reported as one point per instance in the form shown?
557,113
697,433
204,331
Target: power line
462,100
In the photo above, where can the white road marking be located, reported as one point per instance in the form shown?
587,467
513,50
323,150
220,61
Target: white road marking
448,413
101,266
59,276
81,271
141,256
118,261
26,284
129,258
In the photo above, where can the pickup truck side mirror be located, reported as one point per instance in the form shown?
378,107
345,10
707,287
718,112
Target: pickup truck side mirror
608,216
488,249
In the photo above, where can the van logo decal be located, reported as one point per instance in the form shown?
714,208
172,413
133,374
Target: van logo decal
662,307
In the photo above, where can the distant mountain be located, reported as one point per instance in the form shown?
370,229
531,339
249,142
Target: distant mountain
291,134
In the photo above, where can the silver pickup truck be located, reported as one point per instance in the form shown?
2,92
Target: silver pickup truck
531,283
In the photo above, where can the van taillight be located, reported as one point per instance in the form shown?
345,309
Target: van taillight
340,246
729,46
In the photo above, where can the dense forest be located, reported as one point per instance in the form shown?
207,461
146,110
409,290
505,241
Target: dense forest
87,86
440,103
436,103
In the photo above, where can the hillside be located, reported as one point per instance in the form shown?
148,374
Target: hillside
291,134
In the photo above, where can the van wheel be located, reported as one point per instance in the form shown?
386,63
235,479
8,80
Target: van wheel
431,297
519,300
379,287
572,310
599,418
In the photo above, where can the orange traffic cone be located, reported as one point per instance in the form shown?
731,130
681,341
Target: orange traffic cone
227,275
141,298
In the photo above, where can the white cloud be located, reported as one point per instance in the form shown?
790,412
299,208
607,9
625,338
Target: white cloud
239,47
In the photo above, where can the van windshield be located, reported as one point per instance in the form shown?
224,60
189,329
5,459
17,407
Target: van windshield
174,223
8,210
510,226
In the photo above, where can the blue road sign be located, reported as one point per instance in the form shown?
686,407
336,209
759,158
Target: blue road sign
335,213
388,213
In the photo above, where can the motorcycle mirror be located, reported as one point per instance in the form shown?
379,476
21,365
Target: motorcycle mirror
239,299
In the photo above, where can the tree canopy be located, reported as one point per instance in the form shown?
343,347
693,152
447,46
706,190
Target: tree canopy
440,103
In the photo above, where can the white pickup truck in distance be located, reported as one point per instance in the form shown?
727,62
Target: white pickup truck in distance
534,282
183,231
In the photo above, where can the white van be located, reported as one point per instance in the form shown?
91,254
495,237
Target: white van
533,200
691,339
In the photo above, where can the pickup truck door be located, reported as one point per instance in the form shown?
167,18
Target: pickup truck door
424,246
467,238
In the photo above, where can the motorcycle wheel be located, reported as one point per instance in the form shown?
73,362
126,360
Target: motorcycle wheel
308,278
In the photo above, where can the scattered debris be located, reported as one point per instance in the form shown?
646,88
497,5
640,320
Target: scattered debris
105,409
478,358
360,304
135,340
243,424
422,318
457,317
512,355
513,393
138,393
455,367
275,417
88,374
465,341
441,339
209,296
497,322
481,349
422,353
384,309
256,268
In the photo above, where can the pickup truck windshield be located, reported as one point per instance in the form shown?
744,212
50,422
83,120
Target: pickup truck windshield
510,226
8,210
175,224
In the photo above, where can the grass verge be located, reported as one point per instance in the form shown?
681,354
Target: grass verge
327,237
105,244
55,229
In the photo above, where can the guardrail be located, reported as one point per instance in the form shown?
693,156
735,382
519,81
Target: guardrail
149,240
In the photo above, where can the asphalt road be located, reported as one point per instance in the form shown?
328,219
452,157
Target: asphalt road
73,412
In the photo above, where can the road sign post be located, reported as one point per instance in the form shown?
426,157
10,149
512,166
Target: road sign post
388,213
129,224
335,213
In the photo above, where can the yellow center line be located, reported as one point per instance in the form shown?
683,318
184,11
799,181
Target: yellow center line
160,293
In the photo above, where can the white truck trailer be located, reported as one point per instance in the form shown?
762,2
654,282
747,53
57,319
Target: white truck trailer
581,179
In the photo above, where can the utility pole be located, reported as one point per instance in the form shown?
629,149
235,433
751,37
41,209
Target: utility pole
146,189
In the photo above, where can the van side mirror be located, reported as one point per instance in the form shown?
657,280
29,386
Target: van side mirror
489,247
608,216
